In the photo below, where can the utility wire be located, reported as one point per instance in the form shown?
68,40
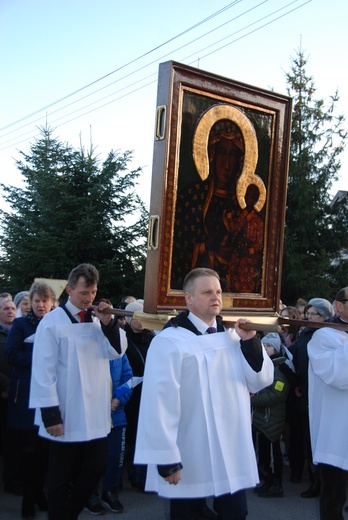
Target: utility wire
183,59
130,73
123,66
197,52
254,30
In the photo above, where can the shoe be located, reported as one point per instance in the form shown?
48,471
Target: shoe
260,488
313,491
94,506
111,501
274,491
28,507
208,513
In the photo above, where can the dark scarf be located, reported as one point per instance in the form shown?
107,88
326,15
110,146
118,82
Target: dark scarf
33,319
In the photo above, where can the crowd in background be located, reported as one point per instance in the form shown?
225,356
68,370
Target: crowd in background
24,452
281,423
286,426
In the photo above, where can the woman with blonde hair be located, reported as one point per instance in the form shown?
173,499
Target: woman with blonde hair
19,350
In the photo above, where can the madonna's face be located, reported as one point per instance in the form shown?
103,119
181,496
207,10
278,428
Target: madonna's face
227,157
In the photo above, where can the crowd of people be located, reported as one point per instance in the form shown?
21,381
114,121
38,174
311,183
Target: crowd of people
312,430
85,403
57,404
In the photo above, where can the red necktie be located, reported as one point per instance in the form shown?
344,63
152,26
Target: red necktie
82,315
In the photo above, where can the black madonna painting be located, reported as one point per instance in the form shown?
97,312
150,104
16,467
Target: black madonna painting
218,190
219,215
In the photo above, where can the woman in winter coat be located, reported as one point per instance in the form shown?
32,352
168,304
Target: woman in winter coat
19,351
269,413
318,310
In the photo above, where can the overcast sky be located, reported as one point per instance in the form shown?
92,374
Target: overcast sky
89,67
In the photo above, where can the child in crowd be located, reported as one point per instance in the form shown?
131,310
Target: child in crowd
269,414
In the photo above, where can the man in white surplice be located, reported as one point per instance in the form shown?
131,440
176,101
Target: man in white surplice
327,404
194,427
71,391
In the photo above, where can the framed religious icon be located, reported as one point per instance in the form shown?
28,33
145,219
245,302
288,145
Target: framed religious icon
218,193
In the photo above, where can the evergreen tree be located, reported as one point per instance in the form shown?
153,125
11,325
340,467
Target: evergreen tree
73,209
312,240
338,272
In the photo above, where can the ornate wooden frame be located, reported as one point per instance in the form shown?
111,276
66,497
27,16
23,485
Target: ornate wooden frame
189,103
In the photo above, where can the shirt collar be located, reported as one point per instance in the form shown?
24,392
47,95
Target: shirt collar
200,324
71,308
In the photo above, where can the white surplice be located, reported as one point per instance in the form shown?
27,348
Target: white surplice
71,370
195,409
328,397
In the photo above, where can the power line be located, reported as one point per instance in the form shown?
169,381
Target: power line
123,66
155,61
187,57
254,30
132,72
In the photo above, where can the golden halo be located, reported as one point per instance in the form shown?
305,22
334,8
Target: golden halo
200,150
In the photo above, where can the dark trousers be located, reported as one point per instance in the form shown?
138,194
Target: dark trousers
33,451
116,453
74,469
265,448
296,443
12,460
229,507
333,492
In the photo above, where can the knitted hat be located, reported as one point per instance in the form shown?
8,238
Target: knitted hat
136,306
323,307
19,296
273,339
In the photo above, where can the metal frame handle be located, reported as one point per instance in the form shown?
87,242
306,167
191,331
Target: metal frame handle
152,242
161,114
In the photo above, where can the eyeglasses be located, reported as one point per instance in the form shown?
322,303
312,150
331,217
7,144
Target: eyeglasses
343,300
310,314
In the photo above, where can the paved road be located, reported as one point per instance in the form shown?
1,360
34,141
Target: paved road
142,506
